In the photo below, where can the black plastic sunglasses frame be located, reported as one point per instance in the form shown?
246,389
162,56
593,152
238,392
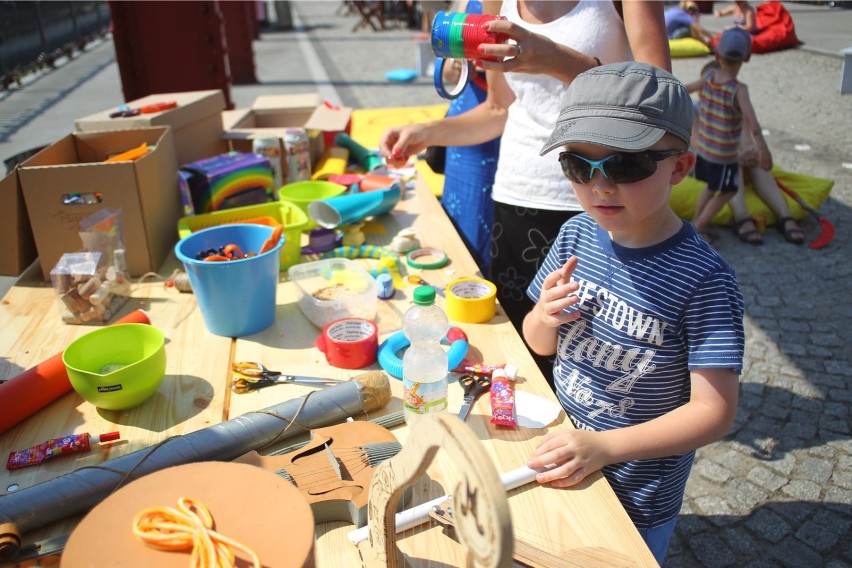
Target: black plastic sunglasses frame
642,165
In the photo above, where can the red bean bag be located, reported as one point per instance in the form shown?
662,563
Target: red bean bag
776,30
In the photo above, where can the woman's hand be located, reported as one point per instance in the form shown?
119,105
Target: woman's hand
400,142
530,52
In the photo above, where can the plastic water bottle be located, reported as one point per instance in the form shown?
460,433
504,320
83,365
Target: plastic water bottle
424,365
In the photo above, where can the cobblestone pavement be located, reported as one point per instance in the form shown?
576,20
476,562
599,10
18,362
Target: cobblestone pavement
777,490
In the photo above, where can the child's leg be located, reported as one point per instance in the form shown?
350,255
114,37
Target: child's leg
744,226
713,206
703,199
658,539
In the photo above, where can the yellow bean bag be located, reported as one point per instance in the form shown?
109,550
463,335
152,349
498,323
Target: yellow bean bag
688,47
813,190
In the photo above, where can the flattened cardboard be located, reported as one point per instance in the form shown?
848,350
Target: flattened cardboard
145,191
16,234
196,122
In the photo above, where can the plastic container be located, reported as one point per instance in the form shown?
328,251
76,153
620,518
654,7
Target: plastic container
425,364
236,297
303,193
117,367
335,288
294,220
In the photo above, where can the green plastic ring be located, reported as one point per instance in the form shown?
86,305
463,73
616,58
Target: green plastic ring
411,258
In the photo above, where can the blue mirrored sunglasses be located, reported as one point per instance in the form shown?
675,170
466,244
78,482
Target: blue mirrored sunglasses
622,167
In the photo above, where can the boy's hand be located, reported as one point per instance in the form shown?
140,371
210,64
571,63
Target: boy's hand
558,292
573,453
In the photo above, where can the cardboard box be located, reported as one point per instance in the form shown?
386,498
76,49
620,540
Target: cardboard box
68,181
271,115
16,234
196,122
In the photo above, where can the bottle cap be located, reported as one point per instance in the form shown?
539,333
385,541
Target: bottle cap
108,437
511,371
504,373
424,295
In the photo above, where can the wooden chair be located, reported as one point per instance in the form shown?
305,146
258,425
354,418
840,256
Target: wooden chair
372,14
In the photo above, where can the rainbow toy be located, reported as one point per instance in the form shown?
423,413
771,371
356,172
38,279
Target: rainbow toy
225,181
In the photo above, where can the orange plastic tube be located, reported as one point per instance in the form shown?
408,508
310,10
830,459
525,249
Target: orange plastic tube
35,388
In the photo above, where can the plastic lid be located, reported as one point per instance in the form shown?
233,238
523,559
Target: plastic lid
511,371
108,437
424,295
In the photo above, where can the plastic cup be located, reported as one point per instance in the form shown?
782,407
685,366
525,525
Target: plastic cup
236,297
303,193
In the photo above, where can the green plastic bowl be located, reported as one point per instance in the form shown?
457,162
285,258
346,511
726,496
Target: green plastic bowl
117,367
303,193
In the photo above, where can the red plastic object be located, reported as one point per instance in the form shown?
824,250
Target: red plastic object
109,437
35,388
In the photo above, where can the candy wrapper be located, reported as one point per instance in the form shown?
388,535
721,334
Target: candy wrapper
502,399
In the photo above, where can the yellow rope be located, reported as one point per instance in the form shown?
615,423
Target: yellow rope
190,528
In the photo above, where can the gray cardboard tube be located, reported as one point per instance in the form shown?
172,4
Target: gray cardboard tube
78,491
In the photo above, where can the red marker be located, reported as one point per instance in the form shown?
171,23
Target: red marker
71,444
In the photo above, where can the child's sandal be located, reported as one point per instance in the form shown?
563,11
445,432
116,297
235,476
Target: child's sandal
793,235
750,236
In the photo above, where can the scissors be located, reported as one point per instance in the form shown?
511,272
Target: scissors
474,385
253,376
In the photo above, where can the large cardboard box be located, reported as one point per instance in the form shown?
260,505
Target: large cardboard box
15,231
69,180
271,115
196,122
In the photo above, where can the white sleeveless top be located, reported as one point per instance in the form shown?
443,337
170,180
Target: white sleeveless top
523,177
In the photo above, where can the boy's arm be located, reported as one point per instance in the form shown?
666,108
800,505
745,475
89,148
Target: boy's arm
695,85
724,11
704,419
752,127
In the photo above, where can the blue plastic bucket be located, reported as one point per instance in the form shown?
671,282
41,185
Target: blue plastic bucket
236,297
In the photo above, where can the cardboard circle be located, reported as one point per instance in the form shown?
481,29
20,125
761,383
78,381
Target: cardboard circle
250,505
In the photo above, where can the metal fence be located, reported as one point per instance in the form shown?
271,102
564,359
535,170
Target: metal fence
35,34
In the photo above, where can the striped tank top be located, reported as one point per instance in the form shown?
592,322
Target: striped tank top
719,122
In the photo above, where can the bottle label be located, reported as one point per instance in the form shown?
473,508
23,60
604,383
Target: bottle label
424,398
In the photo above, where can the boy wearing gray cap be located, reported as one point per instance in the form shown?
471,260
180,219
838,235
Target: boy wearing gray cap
644,317
724,107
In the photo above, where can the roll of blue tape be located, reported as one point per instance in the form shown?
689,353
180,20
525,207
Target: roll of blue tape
391,363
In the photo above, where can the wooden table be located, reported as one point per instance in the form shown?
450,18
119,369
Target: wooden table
585,523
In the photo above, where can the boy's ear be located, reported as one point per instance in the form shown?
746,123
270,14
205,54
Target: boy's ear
683,166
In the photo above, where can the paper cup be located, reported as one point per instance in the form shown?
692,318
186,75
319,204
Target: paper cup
236,297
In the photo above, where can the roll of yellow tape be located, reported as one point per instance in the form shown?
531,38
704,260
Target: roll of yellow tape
332,163
471,300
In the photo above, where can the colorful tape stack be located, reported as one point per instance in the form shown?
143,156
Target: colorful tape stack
458,35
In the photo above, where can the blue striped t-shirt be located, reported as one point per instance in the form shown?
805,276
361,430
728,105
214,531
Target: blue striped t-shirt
649,315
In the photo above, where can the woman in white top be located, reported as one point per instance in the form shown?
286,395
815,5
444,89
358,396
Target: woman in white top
553,41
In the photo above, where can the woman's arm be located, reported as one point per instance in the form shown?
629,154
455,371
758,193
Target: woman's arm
646,32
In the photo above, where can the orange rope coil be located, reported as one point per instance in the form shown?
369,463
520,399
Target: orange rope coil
190,528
